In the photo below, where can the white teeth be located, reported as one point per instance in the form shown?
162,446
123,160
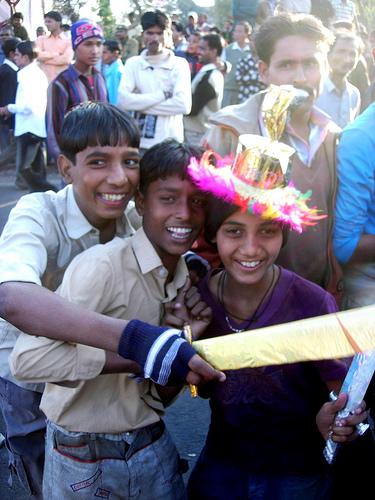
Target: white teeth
179,232
112,197
253,263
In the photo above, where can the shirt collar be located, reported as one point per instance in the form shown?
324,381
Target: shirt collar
320,125
77,225
331,87
60,35
10,64
207,67
235,46
149,260
163,60
75,74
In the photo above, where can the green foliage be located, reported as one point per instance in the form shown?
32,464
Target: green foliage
223,11
366,11
68,8
107,19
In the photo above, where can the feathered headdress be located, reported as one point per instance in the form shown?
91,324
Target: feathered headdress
256,181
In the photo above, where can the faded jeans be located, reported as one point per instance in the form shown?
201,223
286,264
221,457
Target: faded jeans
114,466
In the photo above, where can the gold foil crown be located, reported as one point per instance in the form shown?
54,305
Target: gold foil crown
262,163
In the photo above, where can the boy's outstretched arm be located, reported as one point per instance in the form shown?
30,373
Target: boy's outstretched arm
38,311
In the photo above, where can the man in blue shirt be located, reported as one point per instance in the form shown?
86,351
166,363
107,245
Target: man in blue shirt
354,234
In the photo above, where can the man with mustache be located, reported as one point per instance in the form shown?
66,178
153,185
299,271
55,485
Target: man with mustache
293,50
340,99
155,85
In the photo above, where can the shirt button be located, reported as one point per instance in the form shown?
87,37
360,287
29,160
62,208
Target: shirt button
163,272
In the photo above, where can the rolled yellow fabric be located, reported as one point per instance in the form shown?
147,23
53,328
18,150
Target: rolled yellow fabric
331,336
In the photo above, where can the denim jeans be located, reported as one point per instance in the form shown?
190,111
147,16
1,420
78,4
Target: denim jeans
113,466
25,427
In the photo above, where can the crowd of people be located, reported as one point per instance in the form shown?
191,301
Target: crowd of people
173,175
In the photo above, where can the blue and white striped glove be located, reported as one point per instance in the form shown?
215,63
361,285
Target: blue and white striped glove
162,353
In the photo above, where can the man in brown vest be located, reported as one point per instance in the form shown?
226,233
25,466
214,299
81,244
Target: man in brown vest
293,50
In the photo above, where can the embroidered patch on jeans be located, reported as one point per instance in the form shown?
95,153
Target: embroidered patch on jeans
102,493
87,482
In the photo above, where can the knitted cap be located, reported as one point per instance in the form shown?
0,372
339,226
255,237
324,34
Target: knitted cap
84,29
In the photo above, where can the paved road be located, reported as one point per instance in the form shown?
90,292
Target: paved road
187,419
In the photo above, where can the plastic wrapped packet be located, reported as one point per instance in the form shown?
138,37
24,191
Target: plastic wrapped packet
355,385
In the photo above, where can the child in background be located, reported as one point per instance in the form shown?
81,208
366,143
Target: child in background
113,68
263,441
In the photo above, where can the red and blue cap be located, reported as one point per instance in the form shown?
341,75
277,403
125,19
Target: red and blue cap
84,29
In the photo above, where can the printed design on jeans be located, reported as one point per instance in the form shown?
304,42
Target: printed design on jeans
101,493
146,124
86,483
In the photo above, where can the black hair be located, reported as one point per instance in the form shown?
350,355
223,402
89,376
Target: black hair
154,18
10,45
27,48
53,14
214,41
179,26
96,124
277,27
17,15
165,159
112,45
218,211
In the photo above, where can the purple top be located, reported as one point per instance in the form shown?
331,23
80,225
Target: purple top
264,418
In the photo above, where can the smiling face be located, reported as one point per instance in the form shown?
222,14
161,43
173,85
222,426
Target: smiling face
206,55
296,61
248,246
153,38
104,179
173,214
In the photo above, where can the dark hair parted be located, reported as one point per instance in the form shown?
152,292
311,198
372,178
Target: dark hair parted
96,124
17,15
112,45
218,211
154,18
278,27
214,41
178,26
53,14
165,159
10,45
27,48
